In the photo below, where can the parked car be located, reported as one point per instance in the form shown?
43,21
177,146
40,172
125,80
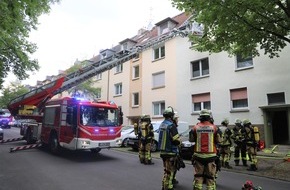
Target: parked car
5,118
186,148
1,134
126,131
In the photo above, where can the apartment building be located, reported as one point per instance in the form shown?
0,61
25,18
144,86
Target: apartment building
169,73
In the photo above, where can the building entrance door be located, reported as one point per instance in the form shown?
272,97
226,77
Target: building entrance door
280,127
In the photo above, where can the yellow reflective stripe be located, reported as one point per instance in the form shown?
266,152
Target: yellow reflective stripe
197,143
210,143
163,140
175,137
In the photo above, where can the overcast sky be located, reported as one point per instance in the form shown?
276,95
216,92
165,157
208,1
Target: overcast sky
79,29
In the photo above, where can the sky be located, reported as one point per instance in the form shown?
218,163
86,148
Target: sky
79,29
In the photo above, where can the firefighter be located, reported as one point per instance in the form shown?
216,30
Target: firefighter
240,151
225,144
168,143
251,144
145,135
205,135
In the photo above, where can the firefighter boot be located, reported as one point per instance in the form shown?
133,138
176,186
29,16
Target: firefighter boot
149,162
227,165
252,167
245,163
236,162
222,163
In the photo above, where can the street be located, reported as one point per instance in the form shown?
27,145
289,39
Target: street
113,169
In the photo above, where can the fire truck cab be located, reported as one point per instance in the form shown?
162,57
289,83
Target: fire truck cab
76,124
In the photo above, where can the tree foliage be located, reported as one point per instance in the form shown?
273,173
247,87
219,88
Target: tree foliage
85,89
17,19
13,90
240,26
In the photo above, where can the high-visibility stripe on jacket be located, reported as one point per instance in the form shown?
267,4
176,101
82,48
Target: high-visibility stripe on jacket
205,138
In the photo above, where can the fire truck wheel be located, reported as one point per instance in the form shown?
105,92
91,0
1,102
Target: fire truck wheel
28,137
95,150
53,144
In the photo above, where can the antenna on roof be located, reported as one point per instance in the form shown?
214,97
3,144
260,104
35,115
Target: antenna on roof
150,25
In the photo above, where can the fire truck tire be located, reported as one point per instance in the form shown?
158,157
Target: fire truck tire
96,150
54,144
28,137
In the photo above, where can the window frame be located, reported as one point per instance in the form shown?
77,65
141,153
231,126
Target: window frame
162,80
161,108
160,51
134,72
203,102
118,89
238,98
201,72
244,63
119,68
134,99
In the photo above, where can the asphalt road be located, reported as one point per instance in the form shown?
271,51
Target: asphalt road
113,169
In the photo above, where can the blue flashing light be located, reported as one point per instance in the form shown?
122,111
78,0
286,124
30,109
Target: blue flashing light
112,131
97,130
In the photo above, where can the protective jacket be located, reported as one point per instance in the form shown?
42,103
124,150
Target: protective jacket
226,134
168,138
204,134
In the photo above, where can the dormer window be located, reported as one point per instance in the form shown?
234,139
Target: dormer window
166,25
104,55
127,44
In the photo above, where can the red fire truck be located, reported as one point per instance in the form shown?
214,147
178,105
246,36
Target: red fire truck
67,122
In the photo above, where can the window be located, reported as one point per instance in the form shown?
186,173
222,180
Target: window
119,68
159,52
158,108
201,101
158,80
244,62
239,98
99,76
276,98
118,89
135,100
136,72
125,46
200,68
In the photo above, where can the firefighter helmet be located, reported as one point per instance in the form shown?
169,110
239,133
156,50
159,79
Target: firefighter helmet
225,122
246,122
145,117
204,112
168,112
238,121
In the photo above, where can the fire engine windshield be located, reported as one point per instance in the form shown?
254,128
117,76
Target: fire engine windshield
98,117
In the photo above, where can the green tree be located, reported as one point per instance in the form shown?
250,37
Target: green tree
13,90
17,19
239,26
86,88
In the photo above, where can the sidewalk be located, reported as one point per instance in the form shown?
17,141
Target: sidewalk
271,165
